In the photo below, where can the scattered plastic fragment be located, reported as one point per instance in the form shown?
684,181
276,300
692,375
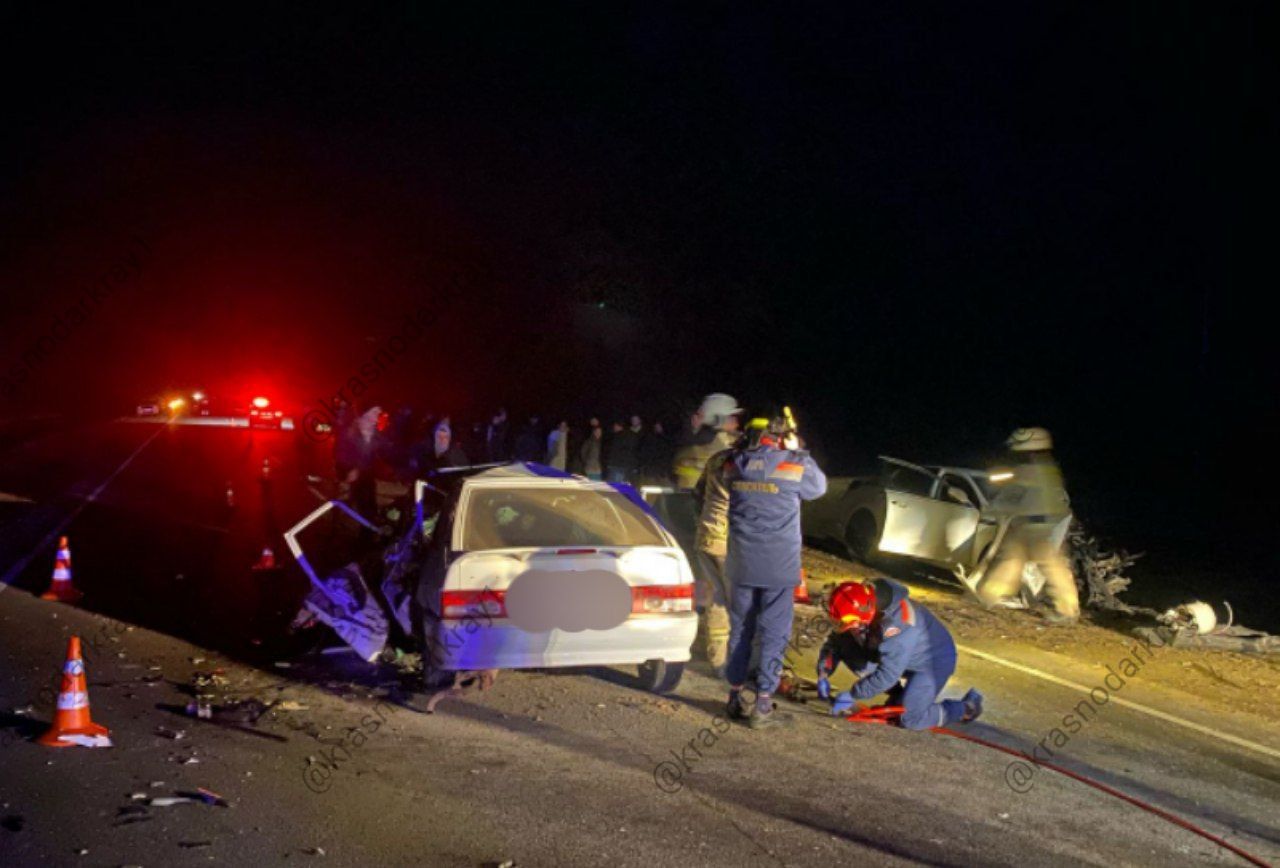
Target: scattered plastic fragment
169,801
209,797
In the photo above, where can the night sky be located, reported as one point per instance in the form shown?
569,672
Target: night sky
920,226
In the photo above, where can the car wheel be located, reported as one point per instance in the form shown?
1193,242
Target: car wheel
861,535
659,676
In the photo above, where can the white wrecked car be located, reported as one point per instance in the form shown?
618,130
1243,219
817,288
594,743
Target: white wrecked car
935,514
532,567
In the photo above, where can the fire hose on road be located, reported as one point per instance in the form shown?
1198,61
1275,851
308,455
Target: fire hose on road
889,714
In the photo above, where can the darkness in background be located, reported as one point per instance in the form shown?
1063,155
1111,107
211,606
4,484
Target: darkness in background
919,226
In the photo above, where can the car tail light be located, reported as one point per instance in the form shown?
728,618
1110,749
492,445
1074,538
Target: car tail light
661,599
462,605
575,551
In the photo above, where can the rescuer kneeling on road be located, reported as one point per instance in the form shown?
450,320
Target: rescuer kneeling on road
766,480
894,646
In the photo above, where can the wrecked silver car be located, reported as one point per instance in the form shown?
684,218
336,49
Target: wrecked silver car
934,514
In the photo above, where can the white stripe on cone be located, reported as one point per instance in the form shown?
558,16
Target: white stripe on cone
86,740
72,701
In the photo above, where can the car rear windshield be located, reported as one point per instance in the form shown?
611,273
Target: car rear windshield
554,517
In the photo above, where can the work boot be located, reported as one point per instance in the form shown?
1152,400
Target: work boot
972,706
766,715
735,708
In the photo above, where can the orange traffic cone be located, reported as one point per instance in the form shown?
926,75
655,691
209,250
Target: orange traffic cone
802,589
61,588
71,723
267,561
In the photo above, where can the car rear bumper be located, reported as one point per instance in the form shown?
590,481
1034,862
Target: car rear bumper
477,644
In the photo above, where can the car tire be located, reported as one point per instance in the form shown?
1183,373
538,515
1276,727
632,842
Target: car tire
860,536
660,676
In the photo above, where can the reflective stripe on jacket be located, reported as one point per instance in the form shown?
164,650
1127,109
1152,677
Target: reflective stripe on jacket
766,485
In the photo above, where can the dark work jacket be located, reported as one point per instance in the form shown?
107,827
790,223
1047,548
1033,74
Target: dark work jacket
766,486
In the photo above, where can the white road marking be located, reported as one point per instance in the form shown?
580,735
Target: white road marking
49,538
1135,706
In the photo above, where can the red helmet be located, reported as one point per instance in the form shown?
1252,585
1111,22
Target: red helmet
852,606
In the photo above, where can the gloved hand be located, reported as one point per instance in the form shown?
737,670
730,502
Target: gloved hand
843,703
824,685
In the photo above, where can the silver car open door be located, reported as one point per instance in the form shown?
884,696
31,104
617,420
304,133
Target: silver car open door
920,521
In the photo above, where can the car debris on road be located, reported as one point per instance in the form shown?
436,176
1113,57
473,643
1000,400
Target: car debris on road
1195,625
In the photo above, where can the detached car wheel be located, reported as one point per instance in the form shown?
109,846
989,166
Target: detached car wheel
659,676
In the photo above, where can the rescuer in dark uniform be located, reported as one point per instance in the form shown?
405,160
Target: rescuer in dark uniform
766,481
895,646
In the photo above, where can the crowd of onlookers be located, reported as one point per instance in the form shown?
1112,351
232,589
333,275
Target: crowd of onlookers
624,451
406,444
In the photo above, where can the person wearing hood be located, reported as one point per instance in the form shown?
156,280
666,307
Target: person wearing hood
444,451
895,646
356,450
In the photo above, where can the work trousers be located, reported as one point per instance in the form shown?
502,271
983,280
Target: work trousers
763,612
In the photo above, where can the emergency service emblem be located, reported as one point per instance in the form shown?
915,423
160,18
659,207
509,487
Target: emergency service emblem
788,470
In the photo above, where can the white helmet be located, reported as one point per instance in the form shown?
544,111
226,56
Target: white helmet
717,408
1030,440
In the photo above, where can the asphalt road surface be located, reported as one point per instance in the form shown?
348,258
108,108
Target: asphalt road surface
566,768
